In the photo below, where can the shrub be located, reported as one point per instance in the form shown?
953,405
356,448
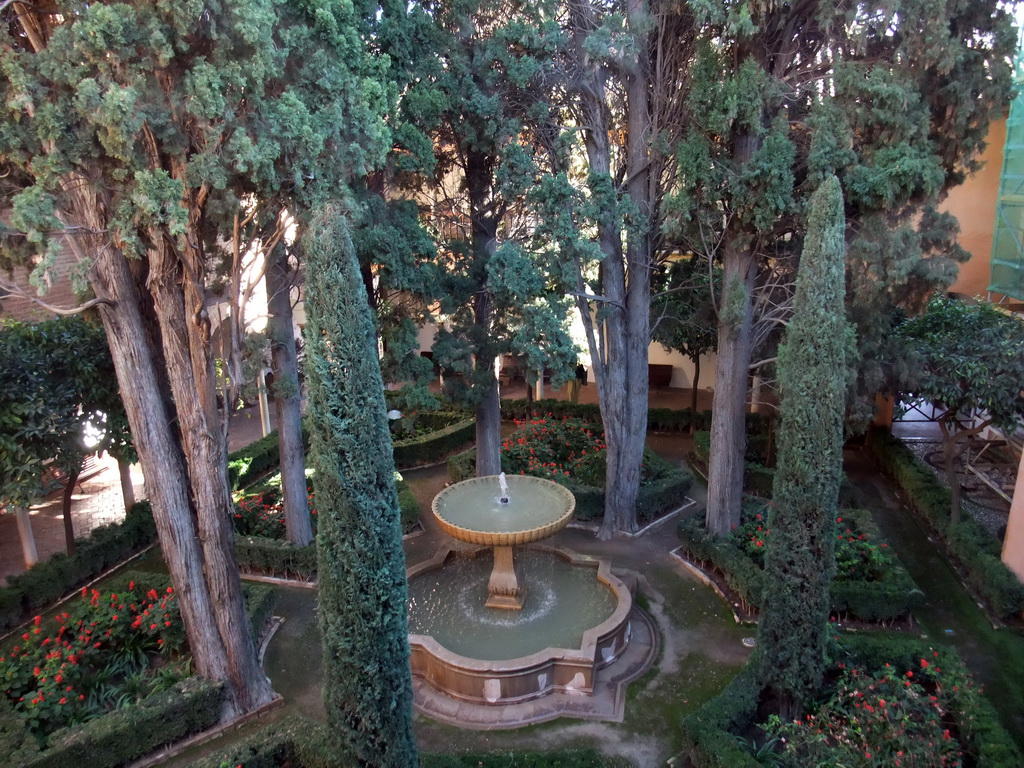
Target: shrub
275,557
707,734
255,461
972,547
49,581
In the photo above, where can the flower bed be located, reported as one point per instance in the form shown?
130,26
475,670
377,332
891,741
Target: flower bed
870,583
572,452
887,702
107,679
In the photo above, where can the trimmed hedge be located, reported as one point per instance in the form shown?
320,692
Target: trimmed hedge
655,498
708,734
303,744
47,582
454,432
658,419
976,551
248,465
191,706
274,557
891,598
282,559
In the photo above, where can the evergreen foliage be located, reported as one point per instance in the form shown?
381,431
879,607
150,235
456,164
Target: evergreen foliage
362,592
800,561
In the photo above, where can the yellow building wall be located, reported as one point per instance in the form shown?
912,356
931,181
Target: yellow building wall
974,205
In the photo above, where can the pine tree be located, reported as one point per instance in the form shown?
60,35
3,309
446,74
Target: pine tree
799,561
362,591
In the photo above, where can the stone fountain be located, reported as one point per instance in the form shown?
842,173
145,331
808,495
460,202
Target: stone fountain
495,636
479,511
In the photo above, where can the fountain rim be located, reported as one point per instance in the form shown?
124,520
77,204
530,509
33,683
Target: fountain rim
590,638
505,538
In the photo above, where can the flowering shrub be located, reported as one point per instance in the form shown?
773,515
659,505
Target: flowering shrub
560,449
262,514
888,718
857,556
107,650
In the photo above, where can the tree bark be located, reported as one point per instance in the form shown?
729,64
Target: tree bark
28,541
728,416
124,471
180,305
69,524
285,391
693,394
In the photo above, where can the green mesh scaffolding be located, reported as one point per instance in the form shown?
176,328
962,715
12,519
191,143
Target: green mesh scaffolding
1007,263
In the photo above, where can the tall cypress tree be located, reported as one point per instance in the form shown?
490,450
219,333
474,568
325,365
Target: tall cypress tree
800,559
362,593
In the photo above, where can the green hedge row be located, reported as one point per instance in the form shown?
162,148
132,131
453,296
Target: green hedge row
454,432
973,547
281,559
250,464
302,743
45,583
191,706
658,419
893,597
655,498
708,734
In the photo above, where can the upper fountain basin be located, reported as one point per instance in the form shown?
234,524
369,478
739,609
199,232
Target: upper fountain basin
472,511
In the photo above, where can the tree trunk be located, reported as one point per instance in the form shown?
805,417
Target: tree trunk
124,471
180,304
693,393
143,390
28,541
69,524
728,415
287,400
488,433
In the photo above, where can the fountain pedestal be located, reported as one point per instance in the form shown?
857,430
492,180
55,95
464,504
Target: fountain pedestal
503,590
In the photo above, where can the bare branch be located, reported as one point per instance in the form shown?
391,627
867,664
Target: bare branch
12,289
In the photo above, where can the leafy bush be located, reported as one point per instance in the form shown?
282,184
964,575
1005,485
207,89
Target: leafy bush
275,557
870,584
47,582
972,547
707,734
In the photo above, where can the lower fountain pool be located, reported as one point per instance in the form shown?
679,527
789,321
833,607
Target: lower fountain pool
574,621
562,602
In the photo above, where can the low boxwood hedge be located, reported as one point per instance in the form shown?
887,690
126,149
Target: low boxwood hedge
28,593
657,497
302,743
711,734
975,550
885,599
191,706
450,432
454,431
268,556
658,419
